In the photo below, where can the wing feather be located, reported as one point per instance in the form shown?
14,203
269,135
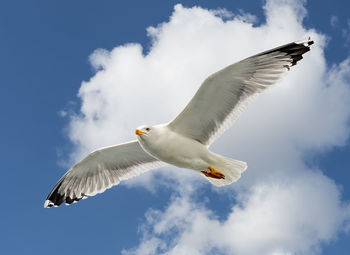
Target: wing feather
101,170
225,94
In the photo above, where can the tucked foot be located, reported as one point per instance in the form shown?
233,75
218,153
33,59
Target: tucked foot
213,173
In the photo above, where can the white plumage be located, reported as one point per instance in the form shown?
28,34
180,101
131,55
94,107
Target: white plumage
184,141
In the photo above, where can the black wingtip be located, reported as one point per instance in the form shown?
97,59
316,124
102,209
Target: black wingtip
56,199
294,50
297,49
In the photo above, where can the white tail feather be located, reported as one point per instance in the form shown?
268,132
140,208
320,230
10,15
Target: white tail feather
231,168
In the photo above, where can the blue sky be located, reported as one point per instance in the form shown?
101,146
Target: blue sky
45,48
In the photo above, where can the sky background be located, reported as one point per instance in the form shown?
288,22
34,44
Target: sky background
62,97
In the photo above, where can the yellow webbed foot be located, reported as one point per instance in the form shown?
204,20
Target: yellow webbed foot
213,173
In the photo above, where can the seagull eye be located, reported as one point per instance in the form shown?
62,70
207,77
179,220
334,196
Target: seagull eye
148,129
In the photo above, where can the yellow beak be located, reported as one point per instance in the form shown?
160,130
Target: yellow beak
138,132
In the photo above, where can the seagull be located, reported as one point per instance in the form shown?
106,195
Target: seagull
184,142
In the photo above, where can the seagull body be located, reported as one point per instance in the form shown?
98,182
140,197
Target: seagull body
175,149
163,144
184,141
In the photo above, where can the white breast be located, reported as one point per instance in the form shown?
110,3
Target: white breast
173,148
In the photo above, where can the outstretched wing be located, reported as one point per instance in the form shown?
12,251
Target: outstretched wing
224,95
101,170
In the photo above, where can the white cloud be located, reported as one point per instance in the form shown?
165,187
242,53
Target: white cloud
282,217
284,207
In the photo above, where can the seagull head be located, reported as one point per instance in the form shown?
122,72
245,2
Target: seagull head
143,130
146,133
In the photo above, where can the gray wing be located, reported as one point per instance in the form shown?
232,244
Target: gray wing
101,170
224,95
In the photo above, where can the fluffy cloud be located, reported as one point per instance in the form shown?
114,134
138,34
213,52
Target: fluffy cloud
283,206
284,217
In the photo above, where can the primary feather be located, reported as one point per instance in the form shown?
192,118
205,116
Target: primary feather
225,94
101,170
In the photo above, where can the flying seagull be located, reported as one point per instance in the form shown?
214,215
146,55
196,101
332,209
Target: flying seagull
185,140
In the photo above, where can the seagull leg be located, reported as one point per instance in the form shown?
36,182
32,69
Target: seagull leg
213,173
